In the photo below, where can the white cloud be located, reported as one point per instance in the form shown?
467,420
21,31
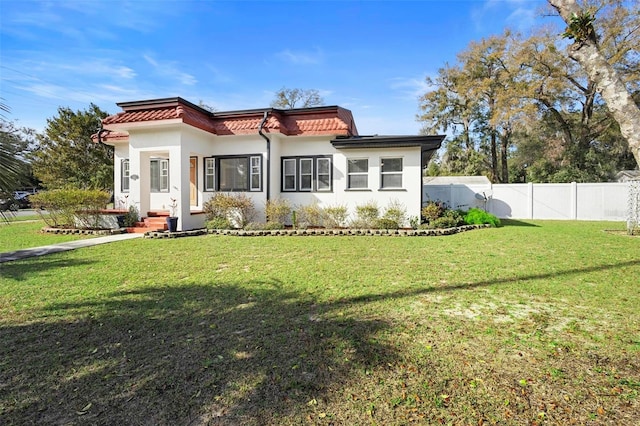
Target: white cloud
410,88
301,58
171,71
521,14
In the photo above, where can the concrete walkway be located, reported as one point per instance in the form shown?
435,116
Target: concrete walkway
71,245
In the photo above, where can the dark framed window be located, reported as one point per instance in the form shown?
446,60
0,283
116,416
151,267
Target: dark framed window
159,175
357,173
125,175
289,167
390,173
210,174
307,174
255,176
233,173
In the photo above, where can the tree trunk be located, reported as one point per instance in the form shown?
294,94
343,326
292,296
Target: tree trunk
494,157
505,139
613,90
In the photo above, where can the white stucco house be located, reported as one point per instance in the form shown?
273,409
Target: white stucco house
172,149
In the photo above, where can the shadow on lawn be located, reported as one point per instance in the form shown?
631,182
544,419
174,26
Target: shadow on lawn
192,354
247,353
20,269
468,286
513,222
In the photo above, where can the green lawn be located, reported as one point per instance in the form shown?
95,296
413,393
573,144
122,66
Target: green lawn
20,235
530,323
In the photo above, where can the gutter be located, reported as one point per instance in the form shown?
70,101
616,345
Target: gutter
266,138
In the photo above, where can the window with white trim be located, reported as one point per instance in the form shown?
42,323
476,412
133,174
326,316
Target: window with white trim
256,173
390,173
209,174
323,182
357,173
159,175
307,174
289,174
233,173
125,175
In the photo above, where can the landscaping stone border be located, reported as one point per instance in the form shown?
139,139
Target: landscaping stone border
278,232
347,232
178,234
71,231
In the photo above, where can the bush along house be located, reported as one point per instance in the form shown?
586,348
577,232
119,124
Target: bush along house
173,155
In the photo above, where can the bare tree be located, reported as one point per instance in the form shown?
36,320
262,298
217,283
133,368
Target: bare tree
297,98
586,51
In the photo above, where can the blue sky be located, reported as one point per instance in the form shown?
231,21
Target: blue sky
371,57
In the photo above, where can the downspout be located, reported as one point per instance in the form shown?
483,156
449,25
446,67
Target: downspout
266,138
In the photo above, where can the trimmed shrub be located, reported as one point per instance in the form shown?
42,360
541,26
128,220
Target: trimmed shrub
261,226
414,222
237,208
278,210
310,215
477,216
335,216
456,216
131,217
443,222
269,226
366,215
433,210
71,208
219,223
385,223
395,212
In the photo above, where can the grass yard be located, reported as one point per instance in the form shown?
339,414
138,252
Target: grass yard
531,323
20,235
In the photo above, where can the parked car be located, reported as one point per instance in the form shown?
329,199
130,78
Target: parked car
22,198
14,202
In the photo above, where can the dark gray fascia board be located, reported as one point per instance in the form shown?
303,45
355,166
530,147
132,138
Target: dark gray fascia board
159,103
426,143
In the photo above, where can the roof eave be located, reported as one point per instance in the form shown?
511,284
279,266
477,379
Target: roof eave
426,143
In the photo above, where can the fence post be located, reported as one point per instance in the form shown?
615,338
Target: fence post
574,201
530,200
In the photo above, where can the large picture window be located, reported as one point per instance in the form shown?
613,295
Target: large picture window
391,173
159,175
125,175
236,173
307,174
357,173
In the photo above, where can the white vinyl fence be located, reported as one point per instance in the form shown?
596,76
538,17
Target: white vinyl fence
565,201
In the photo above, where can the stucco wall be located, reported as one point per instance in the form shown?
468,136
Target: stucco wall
179,142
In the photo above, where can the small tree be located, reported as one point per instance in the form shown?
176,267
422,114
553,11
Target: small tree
66,156
297,98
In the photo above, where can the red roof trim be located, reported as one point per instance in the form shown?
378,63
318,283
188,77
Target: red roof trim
326,120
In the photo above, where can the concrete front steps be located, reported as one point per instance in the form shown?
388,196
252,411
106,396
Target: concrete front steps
154,222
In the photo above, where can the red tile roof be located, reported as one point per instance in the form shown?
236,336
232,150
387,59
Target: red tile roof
330,120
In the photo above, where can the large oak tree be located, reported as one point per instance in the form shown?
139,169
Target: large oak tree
586,50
